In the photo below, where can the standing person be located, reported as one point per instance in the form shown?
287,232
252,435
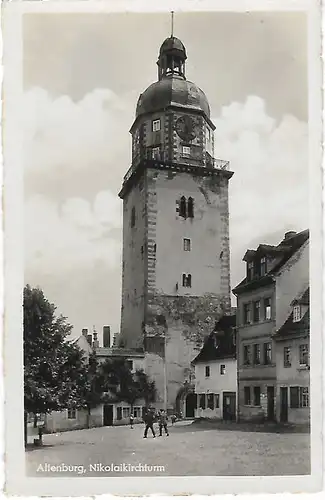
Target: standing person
173,419
131,420
163,422
149,419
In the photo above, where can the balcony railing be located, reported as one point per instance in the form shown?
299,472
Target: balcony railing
154,155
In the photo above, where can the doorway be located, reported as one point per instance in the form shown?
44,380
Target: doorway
270,402
229,406
283,404
108,415
190,405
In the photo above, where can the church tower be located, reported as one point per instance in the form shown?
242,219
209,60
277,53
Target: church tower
176,265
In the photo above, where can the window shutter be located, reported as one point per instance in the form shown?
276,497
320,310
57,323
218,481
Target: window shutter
294,397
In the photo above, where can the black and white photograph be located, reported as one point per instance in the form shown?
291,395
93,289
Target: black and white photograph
164,215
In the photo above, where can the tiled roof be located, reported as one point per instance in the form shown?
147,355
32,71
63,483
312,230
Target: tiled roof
219,344
288,246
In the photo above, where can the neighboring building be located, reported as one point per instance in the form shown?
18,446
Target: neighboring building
293,365
135,360
216,373
176,271
275,275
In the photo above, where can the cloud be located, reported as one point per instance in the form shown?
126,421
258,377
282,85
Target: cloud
269,189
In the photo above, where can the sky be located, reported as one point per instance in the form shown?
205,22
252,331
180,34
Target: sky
83,74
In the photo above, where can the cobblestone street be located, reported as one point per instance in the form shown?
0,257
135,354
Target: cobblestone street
189,450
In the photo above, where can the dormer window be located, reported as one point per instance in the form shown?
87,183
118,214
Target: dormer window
263,266
296,313
250,270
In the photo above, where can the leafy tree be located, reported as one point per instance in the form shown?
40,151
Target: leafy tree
54,369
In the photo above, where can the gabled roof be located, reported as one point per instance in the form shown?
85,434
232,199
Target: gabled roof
284,250
294,328
219,344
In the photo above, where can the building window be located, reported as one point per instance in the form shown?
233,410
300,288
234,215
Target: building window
187,245
267,309
257,396
137,411
287,357
217,400
186,150
187,280
296,313
247,314
72,413
126,412
129,364
202,401
208,134
119,413
207,371
155,125
133,217
304,354
182,207
222,369
263,266
250,270
299,397
211,401
247,354
190,207
257,354
247,396
267,353
155,153
256,311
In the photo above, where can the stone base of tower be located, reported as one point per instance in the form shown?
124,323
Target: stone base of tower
174,332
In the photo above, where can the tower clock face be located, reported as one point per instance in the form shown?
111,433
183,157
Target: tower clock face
185,128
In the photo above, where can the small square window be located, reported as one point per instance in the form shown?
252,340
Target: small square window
296,313
186,150
207,371
187,244
156,125
222,369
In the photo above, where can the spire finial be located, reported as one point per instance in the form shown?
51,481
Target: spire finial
172,23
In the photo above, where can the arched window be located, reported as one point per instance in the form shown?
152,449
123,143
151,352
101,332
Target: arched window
190,207
182,207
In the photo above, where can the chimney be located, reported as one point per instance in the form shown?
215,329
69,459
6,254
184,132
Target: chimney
106,336
289,234
90,339
95,341
84,332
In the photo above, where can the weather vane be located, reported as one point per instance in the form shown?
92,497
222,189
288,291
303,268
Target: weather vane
172,13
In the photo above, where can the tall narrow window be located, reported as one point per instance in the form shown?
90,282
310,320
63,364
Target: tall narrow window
257,396
207,371
303,354
182,207
222,369
202,401
247,314
155,125
257,354
256,311
133,217
247,395
267,353
287,357
211,401
190,207
250,270
263,266
267,309
247,354
187,244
